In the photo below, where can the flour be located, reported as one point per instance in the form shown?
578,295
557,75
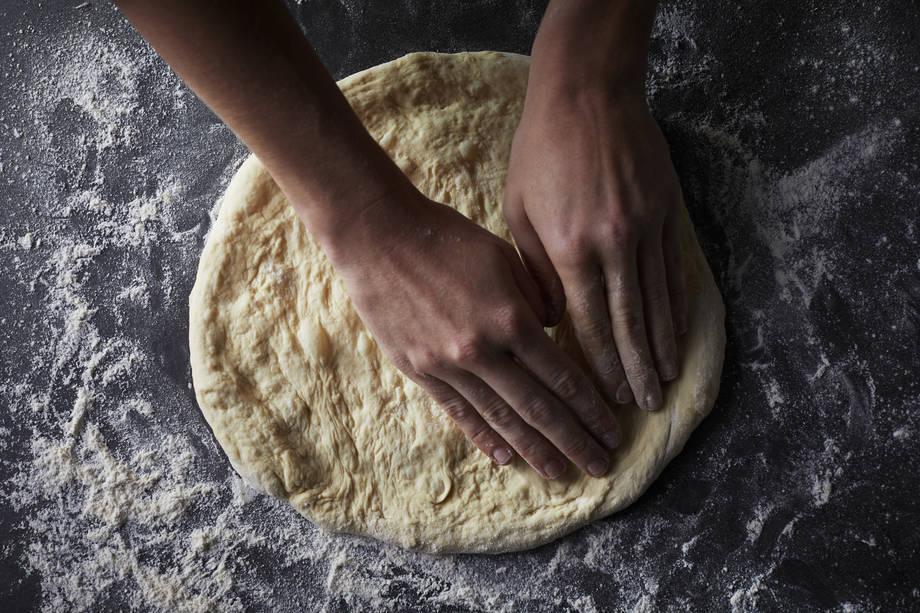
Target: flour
682,64
821,489
755,525
107,487
121,499
27,241
744,600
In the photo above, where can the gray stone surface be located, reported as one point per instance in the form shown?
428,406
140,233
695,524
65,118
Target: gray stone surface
794,128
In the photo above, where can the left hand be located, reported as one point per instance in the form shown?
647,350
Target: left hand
593,202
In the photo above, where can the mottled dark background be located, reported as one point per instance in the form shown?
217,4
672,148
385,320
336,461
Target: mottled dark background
794,128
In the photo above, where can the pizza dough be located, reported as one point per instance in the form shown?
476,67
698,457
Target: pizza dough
307,407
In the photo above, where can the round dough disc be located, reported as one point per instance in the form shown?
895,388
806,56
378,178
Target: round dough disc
307,407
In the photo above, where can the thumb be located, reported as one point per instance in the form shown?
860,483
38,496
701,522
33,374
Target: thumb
538,264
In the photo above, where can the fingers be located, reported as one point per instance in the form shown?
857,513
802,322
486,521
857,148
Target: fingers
528,442
591,320
657,309
543,412
625,302
467,419
538,264
674,267
547,413
569,384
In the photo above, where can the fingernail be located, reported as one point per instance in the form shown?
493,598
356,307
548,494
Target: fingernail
502,455
624,394
553,469
669,372
597,468
653,399
611,439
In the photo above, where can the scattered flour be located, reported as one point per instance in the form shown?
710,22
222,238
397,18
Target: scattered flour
122,492
755,526
821,488
27,241
744,600
123,495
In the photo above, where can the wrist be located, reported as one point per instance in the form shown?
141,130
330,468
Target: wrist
361,218
553,100
594,44
331,192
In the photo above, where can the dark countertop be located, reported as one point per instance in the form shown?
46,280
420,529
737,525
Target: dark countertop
794,128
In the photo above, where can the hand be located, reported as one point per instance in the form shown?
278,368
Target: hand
453,308
593,202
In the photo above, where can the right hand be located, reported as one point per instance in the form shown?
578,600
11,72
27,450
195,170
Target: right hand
454,309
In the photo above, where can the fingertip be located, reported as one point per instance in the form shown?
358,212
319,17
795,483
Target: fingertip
501,456
653,398
598,467
553,469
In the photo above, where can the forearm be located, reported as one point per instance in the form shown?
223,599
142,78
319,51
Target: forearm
250,63
603,42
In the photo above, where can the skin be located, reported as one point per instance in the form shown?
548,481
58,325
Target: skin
452,305
596,215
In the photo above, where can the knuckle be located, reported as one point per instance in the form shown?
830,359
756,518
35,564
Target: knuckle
424,361
403,363
574,254
630,321
498,414
533,450
609,369
566,384
468,351
455,410
597,329
597,419
607,364
570,248
620,231
537,411
576,446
